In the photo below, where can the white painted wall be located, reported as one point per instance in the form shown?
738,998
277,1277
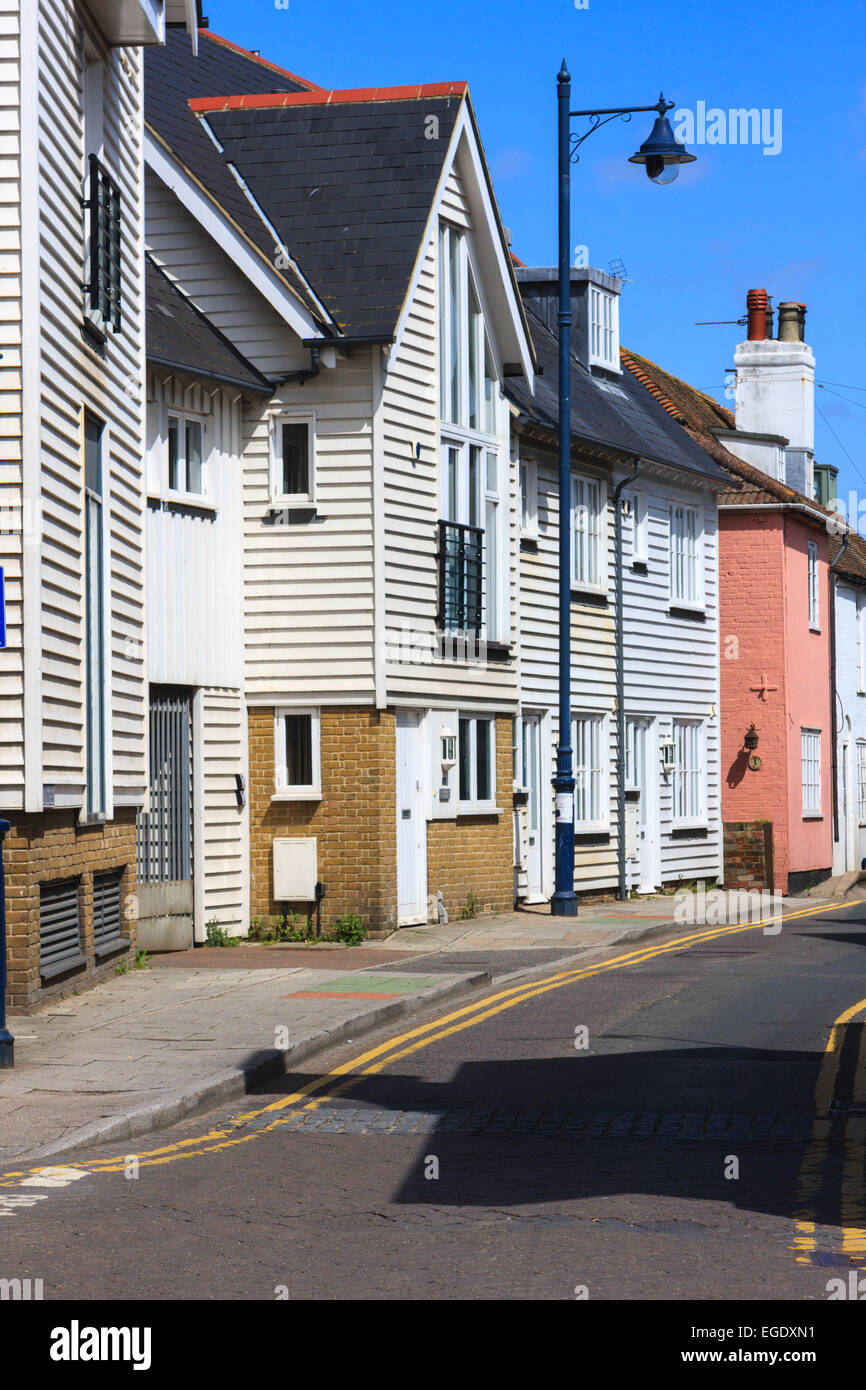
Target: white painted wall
850,849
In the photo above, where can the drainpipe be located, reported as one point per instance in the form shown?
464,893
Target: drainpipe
620,679
833,749
7,1042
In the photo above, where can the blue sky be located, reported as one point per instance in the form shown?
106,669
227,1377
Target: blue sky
792,222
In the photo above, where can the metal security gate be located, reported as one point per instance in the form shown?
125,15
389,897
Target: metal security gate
165,856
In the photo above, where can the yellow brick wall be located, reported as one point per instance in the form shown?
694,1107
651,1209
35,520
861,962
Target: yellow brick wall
475,854
52,846
355,822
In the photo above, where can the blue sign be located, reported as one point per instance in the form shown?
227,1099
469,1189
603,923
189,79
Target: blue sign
2,610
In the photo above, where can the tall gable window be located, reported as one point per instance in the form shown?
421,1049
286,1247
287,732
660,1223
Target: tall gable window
473,501
685,553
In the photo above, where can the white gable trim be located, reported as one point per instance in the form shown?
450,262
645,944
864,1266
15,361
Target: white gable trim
248,260
486,222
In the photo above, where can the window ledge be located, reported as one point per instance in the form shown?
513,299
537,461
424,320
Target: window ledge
596,596
529,544
813,815
814,629
183,506
300,795
640,566
691,613
483,808
112,947
689,827
62,967
291,513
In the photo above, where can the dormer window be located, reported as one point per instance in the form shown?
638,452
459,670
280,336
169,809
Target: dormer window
603,329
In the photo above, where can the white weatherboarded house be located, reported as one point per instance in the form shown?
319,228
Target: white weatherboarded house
73,753
349,247
626,452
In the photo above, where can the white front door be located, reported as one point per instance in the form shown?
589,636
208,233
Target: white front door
641,764
532,781
411,824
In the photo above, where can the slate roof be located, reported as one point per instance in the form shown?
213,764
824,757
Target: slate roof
616,415
179,335
700,415
172,75
348,180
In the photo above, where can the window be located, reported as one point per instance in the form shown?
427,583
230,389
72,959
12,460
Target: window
293,468
185,450
588,503
101,201
468,378
589,742
471,574
861,653
861,782
528,474
685,531
297,759
94,609
688,775
814,601
603,329
635,504
810,740
477,761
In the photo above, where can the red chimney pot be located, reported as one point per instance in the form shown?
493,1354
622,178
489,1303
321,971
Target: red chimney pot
756,308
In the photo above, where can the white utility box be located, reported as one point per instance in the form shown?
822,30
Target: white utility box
296,870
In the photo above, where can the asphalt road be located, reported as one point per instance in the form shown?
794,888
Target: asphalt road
677,1155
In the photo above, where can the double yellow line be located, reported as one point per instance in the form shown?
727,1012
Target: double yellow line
813,1169
342,1078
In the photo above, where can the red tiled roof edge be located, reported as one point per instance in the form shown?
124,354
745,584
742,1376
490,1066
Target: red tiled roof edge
255,58
320,97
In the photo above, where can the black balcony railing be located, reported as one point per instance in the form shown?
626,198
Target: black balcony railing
103,205
461,577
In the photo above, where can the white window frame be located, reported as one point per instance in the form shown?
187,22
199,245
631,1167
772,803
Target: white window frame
689,734
860,616
491,519
277,420
472,804
527,491
455,250
582,520
814,587
185,417
601,722
683,599
810,756
283,790
603,329
861,781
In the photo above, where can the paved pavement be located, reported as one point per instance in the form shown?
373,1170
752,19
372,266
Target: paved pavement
201,1027
700,1141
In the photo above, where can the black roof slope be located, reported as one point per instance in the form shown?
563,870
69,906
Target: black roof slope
619,415
179,335
349,188
172,75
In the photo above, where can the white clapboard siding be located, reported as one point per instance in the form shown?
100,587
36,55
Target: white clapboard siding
671,664
455,207
194,574
309,585
410,418
223,873
190,256
12,522
74,377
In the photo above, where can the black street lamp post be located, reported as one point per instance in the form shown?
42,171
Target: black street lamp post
662,155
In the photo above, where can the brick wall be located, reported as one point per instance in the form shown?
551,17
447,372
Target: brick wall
475,854
355,822
49,847
748,854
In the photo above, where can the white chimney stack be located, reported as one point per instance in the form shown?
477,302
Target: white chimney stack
775,391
